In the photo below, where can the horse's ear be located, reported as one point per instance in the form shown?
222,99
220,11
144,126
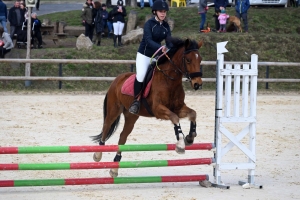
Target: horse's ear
187,43
200,43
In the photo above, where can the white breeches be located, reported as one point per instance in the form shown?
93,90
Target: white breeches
118,27
142,63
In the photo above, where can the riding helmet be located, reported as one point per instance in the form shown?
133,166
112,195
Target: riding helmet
120,3
160,5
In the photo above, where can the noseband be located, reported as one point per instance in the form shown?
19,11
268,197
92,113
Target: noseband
188,75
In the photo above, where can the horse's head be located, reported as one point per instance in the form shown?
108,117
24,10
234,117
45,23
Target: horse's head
191,63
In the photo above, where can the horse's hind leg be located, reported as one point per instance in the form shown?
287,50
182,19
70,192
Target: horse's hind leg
130,120
110,118
192,115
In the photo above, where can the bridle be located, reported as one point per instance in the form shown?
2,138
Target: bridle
188,75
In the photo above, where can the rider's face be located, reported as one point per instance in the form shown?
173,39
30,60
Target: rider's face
161,14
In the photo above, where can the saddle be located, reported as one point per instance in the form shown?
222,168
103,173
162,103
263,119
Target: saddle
128,86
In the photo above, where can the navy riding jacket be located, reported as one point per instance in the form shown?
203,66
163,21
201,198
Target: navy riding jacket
154,33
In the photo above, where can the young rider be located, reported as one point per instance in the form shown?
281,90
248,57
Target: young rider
155,31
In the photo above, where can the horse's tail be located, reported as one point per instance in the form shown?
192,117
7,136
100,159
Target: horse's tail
113,127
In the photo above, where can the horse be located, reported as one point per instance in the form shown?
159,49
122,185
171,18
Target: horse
165,98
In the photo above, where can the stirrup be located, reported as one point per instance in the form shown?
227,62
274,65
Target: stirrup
135,107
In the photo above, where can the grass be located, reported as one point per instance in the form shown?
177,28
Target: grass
274,34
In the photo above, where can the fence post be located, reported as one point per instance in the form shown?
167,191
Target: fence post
60,75
267,76
131,68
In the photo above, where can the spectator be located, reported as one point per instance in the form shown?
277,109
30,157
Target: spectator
142,4
6,43
88,15
24,10
3,15
202,9
119,13
241,10
110,24
37,5
16,19
222,20
104,17
98,21
219,5
36,30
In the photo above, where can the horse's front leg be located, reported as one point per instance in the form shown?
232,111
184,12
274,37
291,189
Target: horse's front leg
192,115
163,112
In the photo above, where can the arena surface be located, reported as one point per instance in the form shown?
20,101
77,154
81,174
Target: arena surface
69,119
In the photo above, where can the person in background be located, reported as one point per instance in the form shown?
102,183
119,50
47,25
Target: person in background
88,15
142,3
110,24
119,13
16,19
3,15
6,43
202,9
219,5
24,10
104,17
37,5
156,30
98,22
241,10
36,30
222,20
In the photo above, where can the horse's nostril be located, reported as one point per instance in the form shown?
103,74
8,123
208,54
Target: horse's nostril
196,86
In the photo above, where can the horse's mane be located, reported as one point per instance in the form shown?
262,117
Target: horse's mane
177,44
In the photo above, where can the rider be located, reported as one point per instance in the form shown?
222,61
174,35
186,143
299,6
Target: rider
155,31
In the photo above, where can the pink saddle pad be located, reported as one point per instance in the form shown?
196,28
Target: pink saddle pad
127,87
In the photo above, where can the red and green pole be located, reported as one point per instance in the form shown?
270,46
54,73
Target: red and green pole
102,148
89,181
104,165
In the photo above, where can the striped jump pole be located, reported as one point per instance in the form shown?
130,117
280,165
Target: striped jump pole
104,165
102,148
91,181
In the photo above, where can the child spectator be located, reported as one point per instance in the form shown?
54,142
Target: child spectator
104,17
110,24
36,30
222,20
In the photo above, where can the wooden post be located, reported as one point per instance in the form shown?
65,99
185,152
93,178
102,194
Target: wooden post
27,66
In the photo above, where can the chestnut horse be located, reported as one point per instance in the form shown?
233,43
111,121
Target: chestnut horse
165,99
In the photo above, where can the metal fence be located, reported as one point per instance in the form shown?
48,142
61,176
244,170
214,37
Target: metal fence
60,62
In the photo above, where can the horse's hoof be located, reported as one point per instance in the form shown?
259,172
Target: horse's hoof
188,143
180,150
97,156
113,173
205,183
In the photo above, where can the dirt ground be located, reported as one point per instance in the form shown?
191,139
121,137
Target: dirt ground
69,119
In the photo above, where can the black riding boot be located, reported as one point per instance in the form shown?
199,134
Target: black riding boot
115,41
120,40
135,106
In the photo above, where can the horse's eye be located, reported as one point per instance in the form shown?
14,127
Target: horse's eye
188,61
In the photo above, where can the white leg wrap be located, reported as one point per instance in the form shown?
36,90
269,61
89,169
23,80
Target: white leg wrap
180,145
